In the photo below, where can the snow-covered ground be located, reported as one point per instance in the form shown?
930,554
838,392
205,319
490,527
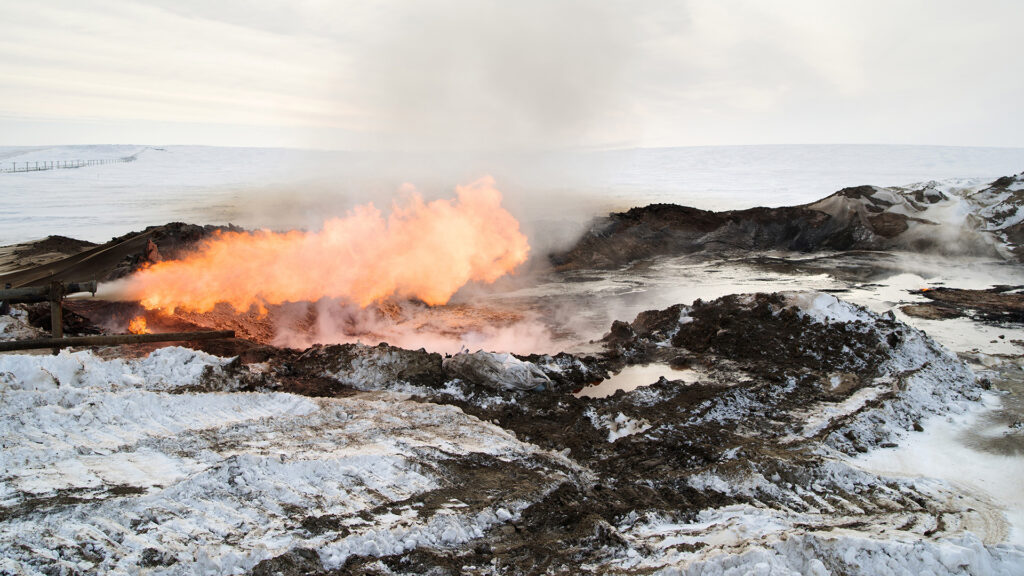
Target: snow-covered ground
749,540
114,466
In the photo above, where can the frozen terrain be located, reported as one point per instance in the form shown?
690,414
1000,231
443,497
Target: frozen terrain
118,466
766,412
179,462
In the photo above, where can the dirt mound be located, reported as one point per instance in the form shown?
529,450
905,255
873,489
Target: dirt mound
998,304
114,259
661,229
858,218
40,252
172,240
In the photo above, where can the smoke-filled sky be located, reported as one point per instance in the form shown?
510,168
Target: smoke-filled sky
525,74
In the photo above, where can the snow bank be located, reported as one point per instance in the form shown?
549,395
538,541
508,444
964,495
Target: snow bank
165,369
496,370
824,307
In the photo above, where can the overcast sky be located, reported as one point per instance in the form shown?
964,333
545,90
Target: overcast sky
523,74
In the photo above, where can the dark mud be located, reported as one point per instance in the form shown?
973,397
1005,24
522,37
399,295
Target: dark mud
668,229
73,323
997,304
857,218
855,266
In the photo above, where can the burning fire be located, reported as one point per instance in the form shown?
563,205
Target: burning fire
424,250
137,325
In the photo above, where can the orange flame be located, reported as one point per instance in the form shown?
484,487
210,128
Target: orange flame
137,325
422,250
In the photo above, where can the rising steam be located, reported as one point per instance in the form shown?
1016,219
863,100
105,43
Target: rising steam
423,250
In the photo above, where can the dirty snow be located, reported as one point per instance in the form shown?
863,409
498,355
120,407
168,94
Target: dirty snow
818,417
944,454
110,464
104,467
16,327
738,540
826,307
501,369
619,425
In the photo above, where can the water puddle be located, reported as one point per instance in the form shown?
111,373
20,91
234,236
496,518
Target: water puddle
633,377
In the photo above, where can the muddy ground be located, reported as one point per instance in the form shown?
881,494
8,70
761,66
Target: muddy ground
997,304
764,365
740,435
746,431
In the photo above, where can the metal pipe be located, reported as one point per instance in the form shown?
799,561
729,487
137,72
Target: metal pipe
43,293
57,309
112,340
34,294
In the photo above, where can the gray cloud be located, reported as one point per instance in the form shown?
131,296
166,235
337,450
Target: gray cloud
493,74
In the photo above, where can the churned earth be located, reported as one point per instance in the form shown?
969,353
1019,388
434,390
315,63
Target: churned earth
354,459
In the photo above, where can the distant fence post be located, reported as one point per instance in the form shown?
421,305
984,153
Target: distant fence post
37,165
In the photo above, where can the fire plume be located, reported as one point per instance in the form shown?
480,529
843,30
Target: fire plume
423,250
137,325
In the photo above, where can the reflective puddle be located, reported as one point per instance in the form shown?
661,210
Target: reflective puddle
633,377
